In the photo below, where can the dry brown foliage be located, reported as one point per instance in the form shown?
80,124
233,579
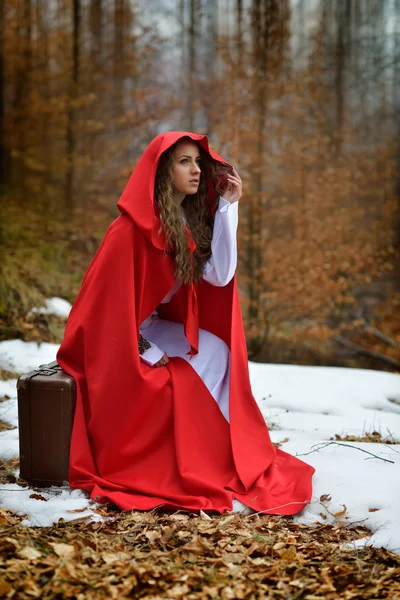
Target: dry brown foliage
7,470
85,91
4,426
375,437
154,556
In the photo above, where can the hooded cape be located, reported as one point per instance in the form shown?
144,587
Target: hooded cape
145,437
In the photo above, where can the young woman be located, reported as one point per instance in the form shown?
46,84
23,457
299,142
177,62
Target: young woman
165,416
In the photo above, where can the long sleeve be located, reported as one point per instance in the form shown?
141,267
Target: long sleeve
152,354
220,267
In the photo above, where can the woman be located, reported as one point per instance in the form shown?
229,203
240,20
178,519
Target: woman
165,416
178,193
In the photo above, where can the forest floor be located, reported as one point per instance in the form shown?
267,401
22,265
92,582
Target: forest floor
155,555
159,555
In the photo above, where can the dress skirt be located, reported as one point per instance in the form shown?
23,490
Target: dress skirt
212,363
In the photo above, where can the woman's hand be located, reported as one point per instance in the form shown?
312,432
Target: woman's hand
233,190
162,362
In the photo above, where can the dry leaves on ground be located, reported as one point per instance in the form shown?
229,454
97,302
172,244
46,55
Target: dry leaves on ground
370,438
178,555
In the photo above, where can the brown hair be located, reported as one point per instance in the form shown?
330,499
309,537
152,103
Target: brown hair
195,210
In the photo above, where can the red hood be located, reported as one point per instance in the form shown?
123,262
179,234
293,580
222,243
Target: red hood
137,199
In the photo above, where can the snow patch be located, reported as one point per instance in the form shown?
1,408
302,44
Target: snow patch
308,405
21,357
54,306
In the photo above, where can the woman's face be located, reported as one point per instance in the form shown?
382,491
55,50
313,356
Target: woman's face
186,168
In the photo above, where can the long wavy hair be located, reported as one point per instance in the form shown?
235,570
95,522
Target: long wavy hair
194,210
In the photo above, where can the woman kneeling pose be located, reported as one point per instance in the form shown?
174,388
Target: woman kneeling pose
165,416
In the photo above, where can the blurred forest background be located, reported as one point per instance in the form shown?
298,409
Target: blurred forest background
302,96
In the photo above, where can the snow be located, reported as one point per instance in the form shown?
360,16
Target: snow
21,357
53,504
309,405
54,306
304,407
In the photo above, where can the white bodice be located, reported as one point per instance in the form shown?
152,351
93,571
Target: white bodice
219,269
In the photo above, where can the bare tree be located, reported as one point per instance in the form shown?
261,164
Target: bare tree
70,136
3,153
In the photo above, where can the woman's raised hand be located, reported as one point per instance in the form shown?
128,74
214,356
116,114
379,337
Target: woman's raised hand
162,362
233,190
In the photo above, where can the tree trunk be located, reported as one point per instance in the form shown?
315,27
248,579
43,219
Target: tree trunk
208,85
96,31
3,152
269,34
343,19
21,92
192,64
71,142
260,41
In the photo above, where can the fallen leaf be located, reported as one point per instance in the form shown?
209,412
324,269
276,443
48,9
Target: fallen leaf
38,497
195,545
29,552
289,554
178,591
233,558
325,498
167,533
63,550
204,515
5,587
279,545
341,512
9,546
259,561
373,509
152,536
229,519
207,528
111,557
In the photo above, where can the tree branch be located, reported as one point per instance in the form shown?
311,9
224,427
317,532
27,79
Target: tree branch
381,336
362,350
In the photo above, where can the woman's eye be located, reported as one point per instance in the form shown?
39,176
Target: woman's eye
186,160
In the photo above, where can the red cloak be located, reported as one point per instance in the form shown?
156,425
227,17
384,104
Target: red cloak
145,437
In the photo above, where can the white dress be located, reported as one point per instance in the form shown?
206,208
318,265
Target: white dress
212,363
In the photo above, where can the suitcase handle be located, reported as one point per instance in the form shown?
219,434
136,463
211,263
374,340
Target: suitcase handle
48,369
46,372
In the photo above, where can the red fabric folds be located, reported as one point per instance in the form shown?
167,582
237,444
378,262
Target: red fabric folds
145,437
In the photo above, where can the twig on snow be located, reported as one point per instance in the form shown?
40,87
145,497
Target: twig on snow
326,444
268,510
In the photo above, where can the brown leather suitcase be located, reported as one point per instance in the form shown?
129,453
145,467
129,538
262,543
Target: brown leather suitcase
46,405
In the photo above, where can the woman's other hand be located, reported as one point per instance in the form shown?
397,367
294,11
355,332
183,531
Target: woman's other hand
233,190
162,362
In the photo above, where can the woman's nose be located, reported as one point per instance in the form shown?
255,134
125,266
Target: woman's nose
196,168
